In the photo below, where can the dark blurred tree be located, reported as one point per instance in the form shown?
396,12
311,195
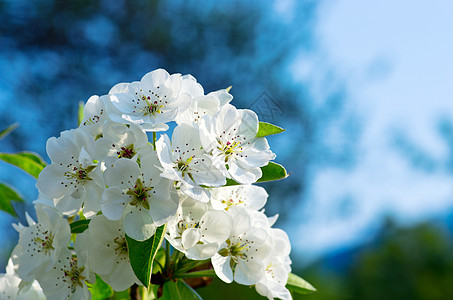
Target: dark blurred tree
403,263
415,263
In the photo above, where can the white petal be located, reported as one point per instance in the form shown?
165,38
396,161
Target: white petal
123,173
244,176
113,203
123,102
241,220
51,181
119,88
202,251
138,224
222,268
215,226
249,124
154,78
155,127
248,273
122,277
195,192
190,237
185,141
163,203
190,85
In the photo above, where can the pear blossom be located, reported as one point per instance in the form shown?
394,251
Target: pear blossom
40,243
10,286
241,257
108,171
185,162
67,278
250,196
139,194
120,140
230,137
277,268
204,105
190,86
73,179
196,230
107,250
94,116
152,102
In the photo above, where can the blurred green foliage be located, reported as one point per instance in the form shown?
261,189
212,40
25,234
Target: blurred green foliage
402,263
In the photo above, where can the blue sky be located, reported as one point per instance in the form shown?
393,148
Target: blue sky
396,60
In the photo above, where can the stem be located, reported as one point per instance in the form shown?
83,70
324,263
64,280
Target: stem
154,140
167,254
204,273
177,256
191,265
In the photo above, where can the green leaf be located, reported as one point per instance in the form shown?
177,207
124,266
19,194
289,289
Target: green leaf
299,285
80,113
271,172
160,259
27,161
100,290
7,195
8,130
266,129
79,226
179,290
142,254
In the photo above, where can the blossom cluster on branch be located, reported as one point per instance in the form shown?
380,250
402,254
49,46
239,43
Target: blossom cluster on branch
116,176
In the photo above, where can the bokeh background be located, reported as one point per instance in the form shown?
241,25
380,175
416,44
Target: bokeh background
364,89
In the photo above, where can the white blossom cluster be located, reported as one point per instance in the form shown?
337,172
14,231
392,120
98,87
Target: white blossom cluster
114,171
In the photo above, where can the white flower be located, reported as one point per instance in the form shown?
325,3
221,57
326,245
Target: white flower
244,251
73,179
67,278
277,268
139,194
250,196
201,104
196,230
40,243
152,102
190,86
183,160
94,116
120,140
108,255
230,137
10,286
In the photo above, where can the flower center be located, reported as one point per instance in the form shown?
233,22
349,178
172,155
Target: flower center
79,174
139,194
236,250
230,203
94,119
121,246
74,274
184,224
229,148
46,243
184,168
126,151
151,108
